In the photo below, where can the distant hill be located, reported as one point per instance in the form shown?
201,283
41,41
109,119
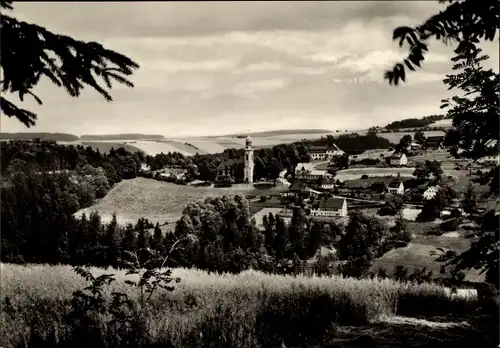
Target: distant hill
41,136
415,122
281,132
131,136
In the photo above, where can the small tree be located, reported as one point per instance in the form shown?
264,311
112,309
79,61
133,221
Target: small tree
469,201
420,138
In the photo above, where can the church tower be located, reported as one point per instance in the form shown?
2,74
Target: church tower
249,163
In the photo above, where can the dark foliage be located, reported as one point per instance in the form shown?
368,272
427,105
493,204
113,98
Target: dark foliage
461,23
414,122
353,144
39,136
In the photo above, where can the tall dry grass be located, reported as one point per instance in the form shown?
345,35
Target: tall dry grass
251,309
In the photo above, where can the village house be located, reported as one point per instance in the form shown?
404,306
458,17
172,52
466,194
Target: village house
490,160
413,146
329,207
398,159
396,188
313,193
379,187
324,152
303,167
434,142
328,184
306,171
295,189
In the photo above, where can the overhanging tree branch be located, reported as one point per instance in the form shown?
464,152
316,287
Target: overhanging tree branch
30,52
462,22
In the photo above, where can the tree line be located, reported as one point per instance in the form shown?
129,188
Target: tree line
43,156
415,122
39,226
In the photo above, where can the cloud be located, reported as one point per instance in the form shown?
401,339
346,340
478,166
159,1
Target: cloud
229,67
182,19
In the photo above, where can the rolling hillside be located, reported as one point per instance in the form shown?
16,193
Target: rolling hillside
155,200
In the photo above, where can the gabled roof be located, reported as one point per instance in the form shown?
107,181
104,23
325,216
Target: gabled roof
297,186
304,166
395,184
435,138
328,181
231,162
378,185
329,203
323,148
397,155
317,149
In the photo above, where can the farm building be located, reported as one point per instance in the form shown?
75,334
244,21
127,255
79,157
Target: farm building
295,189
314,193
434,142
304,167
328,184
490,160
414,146
329,207
324,152
396,187
306,171
375,184
398,159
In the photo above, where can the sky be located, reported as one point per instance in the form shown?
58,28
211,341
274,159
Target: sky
228,67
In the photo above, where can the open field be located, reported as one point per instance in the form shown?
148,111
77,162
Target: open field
417,253
251,309
442,123
157,201
396,136
191,145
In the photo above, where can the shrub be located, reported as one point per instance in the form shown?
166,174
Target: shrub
364,176
450,225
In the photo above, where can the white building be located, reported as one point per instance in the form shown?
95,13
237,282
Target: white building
324,152
330,207
398,159
431,192
249,161
396,188
304,167
491,160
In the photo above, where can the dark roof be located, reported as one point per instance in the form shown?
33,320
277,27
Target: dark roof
378,185
331,203
368,182
297,186
435,138
231,162
397,155
321,148
328,181
395,184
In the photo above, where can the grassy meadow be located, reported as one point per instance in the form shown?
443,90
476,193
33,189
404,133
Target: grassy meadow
251,309
156,200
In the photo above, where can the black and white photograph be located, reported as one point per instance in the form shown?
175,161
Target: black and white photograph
250,174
